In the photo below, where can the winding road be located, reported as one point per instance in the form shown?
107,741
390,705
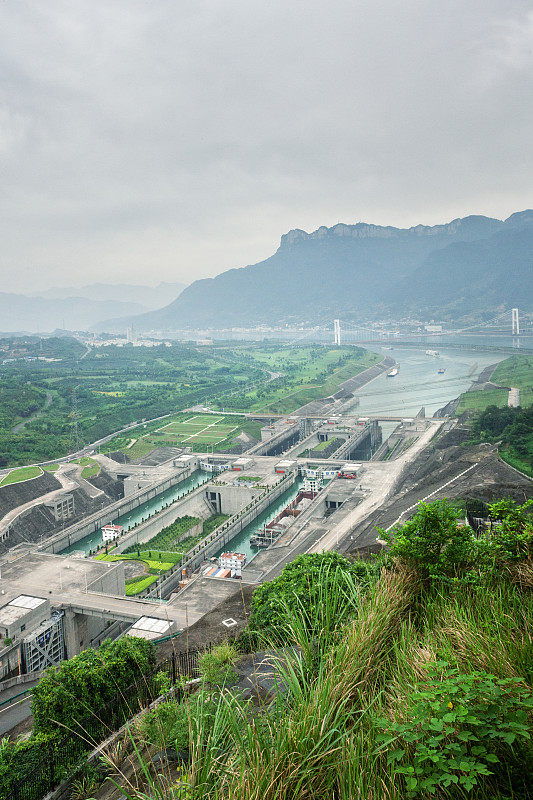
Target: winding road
37,414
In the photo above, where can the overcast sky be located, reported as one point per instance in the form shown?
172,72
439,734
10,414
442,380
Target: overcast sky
160,140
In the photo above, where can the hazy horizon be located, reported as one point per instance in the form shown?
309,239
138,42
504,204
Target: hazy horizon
177,141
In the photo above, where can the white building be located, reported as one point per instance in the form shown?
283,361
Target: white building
312,485
233,561
513,400
111,532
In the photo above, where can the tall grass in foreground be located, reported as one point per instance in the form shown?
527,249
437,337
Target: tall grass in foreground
313,741
340,683
321,740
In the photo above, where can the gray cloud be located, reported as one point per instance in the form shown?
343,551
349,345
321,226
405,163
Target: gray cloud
144,141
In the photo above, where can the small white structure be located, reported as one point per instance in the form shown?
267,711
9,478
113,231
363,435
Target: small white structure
111,532
241,464
151,628
285,466
233,561
313,485
513,400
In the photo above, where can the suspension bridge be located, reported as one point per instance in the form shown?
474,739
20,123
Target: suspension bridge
504,323
507,323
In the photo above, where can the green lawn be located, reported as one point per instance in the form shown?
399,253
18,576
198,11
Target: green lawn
137,585
155,561
481,400
90,466
50,467
515,461
322,445
196,431
514,371
311,373
22,474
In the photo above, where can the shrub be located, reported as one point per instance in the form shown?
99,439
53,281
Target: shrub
303,587
216,665
433,543
513,537
458,727
68,693
167,725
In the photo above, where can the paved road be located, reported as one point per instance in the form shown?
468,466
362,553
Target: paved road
11,715
379,478
67,484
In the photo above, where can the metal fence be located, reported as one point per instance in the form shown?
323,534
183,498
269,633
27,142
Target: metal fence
50,763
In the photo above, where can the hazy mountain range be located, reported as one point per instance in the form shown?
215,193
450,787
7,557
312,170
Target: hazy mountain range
359,271
80,308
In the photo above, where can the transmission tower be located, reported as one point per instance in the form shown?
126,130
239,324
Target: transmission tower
76,432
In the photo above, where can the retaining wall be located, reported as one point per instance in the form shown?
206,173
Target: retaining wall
221,536
93,523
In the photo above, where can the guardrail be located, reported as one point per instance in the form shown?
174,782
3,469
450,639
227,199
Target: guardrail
15,698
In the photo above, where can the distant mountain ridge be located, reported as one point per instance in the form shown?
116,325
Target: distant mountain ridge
80,309
151,297
361,270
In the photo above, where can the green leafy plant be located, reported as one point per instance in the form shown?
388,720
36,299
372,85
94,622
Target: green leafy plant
303,588
167,725
86,785
162,682
512,535
459,726
433,542
83,684
216,665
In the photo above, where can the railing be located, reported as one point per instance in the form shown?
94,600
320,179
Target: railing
51,763
15,698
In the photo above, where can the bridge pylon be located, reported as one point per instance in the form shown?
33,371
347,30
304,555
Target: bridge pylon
515,322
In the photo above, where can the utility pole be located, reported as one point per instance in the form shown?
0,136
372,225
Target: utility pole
78,440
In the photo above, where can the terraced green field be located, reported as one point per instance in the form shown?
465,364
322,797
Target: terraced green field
515,371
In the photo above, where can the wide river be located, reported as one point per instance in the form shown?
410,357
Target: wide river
417,384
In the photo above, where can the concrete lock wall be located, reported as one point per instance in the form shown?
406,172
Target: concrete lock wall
230,499
78,531
188,505
111,582
222,535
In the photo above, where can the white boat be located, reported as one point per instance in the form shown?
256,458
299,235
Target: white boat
392,373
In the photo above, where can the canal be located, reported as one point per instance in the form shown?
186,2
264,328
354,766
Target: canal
142,512
418,383
241,542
